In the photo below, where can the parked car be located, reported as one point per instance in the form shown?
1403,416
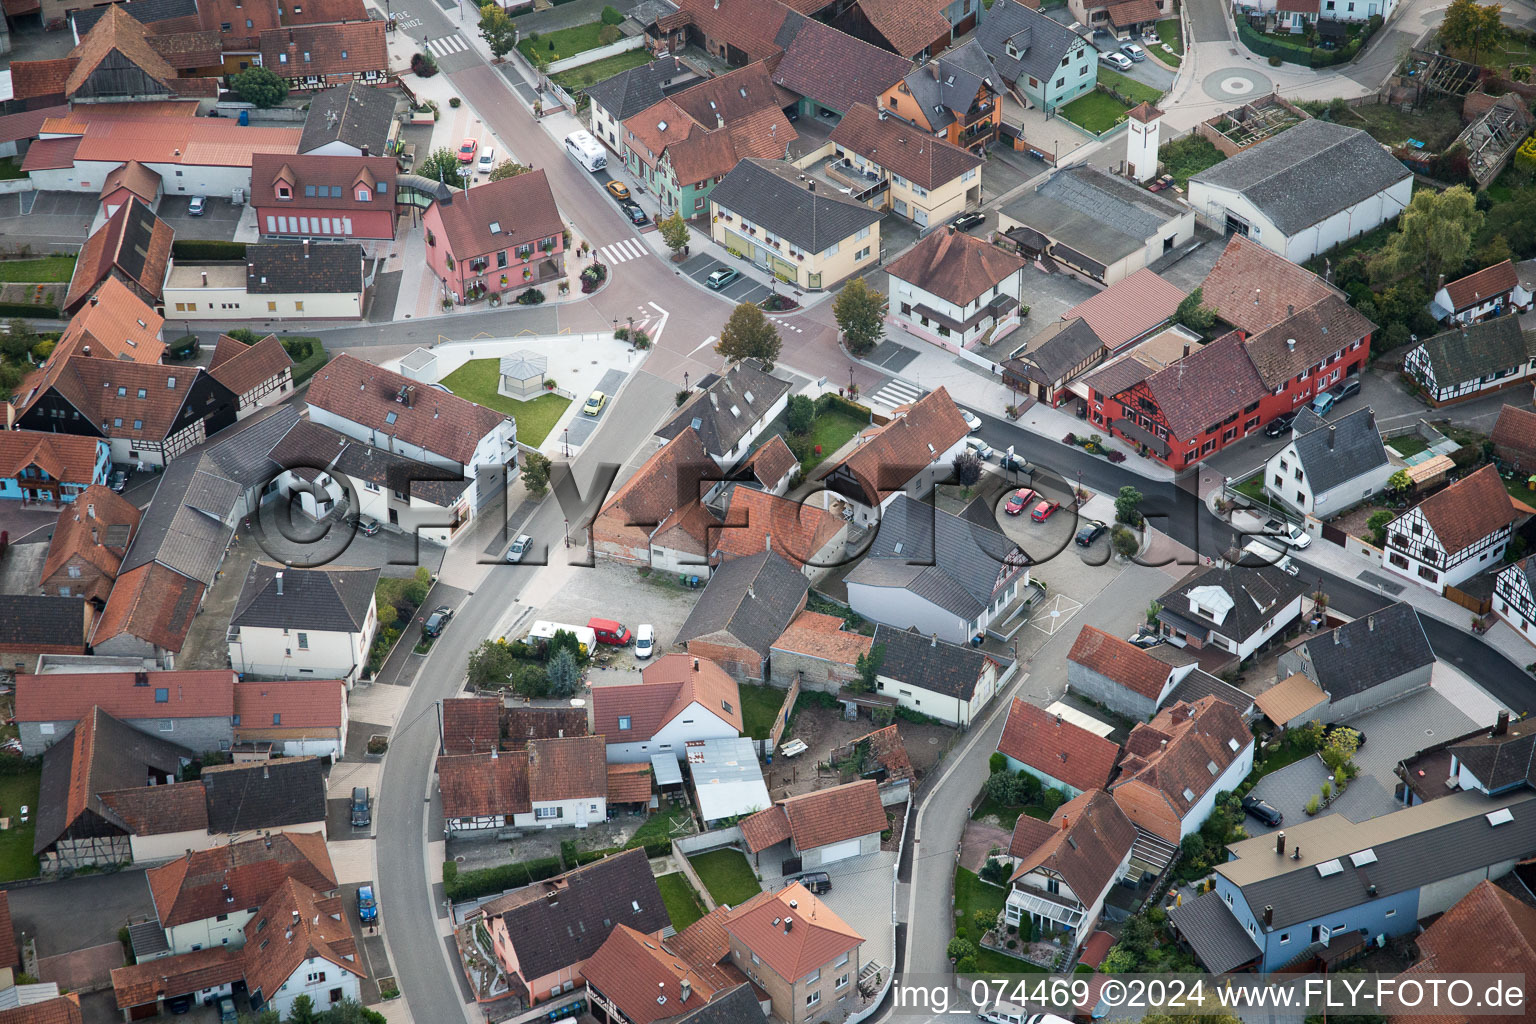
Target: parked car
437,621
1017,463
645,640
721,277
467,150
1090,532
595,402
634,213
227,1014
1019,500
1265,812
1292,534
367,907
487,160
617,189
1134,52
966,221
362,817
196,207
982,450
972,421
179,1005
1349,389
1323,403
1118,61
1279,425
118,480
367,527
519,548
1333,727
816,881
1043,511
609,632
1145,639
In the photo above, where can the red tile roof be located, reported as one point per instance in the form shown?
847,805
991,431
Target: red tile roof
1516,428
193,887
835,69
117,135
1172,755
823,636
913,439
439,422
471,725
748,24
1307,339
116,325
484,785
1070,753
667,688
817,937
954,265
916,155
67,458
296,925
1128,308
31,79
301,703
120,33
567,769
1124,663
661,501
1085,842
159,810
820,818
1487,931
1475,289
134,177
1133,12
25,124
1253,289
153,603
106,391
643,977
1469,509
133,243
797,531
772,462
320,173
909,26
63,1010
8,954
168,977
69,697
243,367
500,215
629,783
322,50
1207,386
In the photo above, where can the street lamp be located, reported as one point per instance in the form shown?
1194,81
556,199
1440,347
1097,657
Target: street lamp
567,533
685,380
567,442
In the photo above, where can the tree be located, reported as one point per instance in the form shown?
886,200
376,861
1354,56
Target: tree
260,87
1377,524
1194,314
564,674
415,592
1400,481
608,35
350,1011
868,667
303,1011
998,762
497,28
490,664
18,340
1472,27
565,640
442,164
800,414
612,16
674,231
967,469
507,169
749,335
1128,506
1434,235
860,314
1339,748
535,473
1124,541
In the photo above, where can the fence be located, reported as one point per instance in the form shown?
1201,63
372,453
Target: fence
1307,56
593,55
781,720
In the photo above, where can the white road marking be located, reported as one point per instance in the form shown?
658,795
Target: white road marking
444,45
707,342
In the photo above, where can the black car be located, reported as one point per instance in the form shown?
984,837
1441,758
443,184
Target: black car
179,1004
966,221
1333,727
635,214
437,621
1279,425
1090,532
1264,812
816,881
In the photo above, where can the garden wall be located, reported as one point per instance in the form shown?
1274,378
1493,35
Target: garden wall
593,55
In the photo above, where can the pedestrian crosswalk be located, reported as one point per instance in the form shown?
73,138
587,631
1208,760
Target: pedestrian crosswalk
624,249
445,45
897,392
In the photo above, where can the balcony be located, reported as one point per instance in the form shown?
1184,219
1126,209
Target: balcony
981,111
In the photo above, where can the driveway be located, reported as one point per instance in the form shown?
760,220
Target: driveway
614,591
51,912
217,220
1006,169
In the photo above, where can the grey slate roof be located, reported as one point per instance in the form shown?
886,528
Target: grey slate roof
951,81
355,114
1200,683
1040,42
271,794
1414,847
955,562
146,12
1258,594
281,268
768,193
189,522
241,452
737,1006
1473,351
1372,649
1097,214
937,665
1213,933
753,599
27,619
335,598
1500,762
1308,173
629,92
731,405
1340,451
310,447
1067,345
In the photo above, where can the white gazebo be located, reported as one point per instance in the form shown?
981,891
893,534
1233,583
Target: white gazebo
522,375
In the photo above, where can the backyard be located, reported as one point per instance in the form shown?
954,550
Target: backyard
476,381
972,895
683,904
45,268
1095,111
759,706
1173,40
600,70
565,42
1128,87
727,876
1435,123
16,857
1008,816
1189,156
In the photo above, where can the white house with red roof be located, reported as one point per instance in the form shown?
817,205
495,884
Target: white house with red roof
189,708
1057,752
679,699
1064,867
296,716
1487,293
1118,674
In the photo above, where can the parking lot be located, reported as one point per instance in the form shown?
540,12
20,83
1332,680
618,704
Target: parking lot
217,220
613,591
743,289
46,220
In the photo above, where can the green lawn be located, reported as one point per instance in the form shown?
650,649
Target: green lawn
832,429
1096,111
1189,156
759,705
1128,87
660,826
1408,445
1253,487
305,368
1009,816
1436,123
1173,39
565,42
683,904
727,876
971,895
10,169
600,70
476,380
43,269
16,857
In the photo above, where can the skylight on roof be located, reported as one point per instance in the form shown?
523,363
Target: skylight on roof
495,227
1329,867
1189,794
1363,858
1502,816
1210,766
1233,744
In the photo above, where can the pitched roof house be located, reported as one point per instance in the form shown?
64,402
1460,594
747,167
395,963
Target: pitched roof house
1485,293
948,681
262,373
39,466
36,624
908,454
657,516
1053,358
1118,674
551,782
1329,465
295,716
191,707
284,793
310,931
1176,764
1130,309
1253,288
471,725
954,289
497,237
679,698
117,325
810,538
1040,59
1365,663
640,979
1453,534
731,411
1233,608
1057,752
318,196
1472,359
822,827
1487,930
1065,866
819,651
89,540
619,97
801,951
833,69
304,623
524,725
133,246
1514,437
317,56
354,119
746,605
947,178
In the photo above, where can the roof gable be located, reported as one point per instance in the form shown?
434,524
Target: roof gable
1045,742
953,265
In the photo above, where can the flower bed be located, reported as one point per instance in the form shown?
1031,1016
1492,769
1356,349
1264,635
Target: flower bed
1094,444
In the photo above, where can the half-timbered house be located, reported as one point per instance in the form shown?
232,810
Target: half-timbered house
1472,359
1454,534
1514,597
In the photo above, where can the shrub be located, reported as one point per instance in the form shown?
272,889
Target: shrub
422,65
1275,61
1069,439
959,948
608,34
997,762
531,297
207,249
1312,806
568,852
996,871
377,744
454,101
983,921
612,16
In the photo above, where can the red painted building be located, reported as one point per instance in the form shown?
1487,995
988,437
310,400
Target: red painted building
350,197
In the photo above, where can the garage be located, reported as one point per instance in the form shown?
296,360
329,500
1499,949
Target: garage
839,851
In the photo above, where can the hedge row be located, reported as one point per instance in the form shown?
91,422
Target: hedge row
829,400
26,309
207,249
1307,56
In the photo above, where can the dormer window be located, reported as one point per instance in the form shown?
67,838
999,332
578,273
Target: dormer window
284,192
364,194
282,58
343,54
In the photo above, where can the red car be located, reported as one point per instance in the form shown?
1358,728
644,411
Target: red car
1043,511
1018,500
467,150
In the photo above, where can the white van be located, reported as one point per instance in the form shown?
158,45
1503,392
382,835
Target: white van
587,150
1257,554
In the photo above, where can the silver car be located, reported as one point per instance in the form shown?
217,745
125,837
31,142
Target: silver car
519,548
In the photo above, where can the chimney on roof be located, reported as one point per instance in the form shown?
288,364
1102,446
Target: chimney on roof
1269,916
1335,638
1442,281
266,770
1501,726
1064,823
695,664
95,299
295,917
85,350
365,149
1290,344
1370,623
1162,745
812,185
751,594
933,640
1280,844
1186,348
1331,431
1290,310
279,580
1058,718
205,279
789,923
1296,853
306,248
